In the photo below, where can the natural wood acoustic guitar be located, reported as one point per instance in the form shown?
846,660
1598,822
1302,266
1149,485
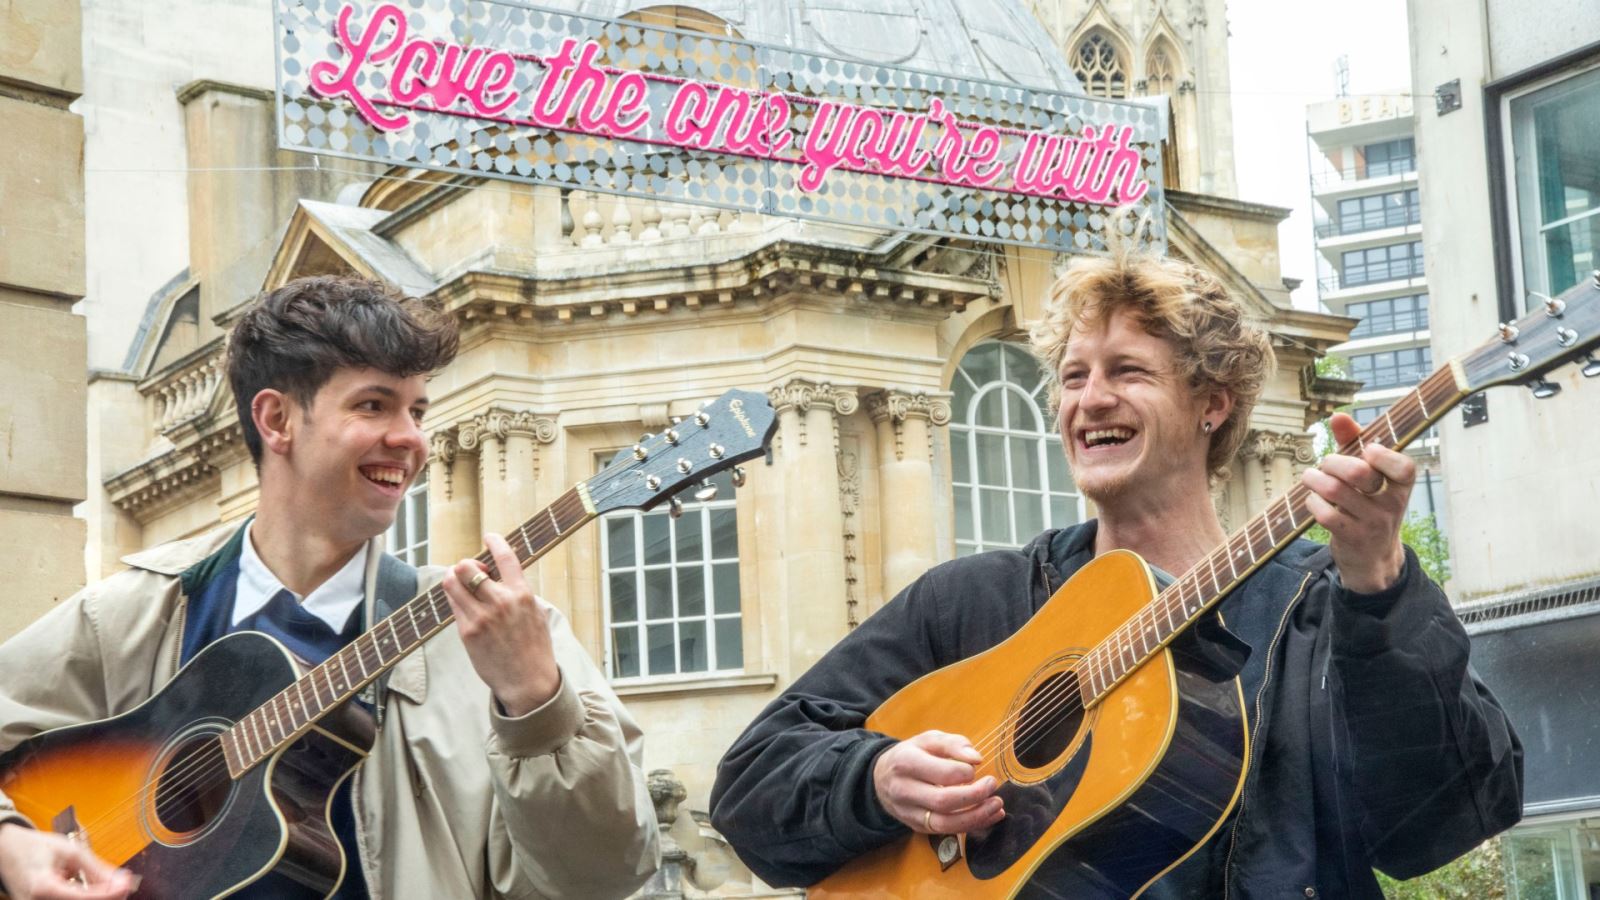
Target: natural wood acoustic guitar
1118,756
224,778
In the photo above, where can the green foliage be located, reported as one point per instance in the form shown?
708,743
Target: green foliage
1420,533
1331,366
1479,875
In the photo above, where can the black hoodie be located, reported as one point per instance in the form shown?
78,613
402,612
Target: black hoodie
1374,745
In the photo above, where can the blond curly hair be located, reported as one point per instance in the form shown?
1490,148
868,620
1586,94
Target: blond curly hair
1181,303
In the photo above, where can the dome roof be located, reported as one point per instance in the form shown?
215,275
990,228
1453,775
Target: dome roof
997,40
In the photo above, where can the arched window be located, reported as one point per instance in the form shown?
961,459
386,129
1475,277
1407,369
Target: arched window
1159,71
1100,67
1010,478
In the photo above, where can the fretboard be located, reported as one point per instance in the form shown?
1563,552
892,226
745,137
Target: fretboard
285,717
1211,579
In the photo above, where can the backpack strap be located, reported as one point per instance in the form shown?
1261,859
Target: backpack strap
397,584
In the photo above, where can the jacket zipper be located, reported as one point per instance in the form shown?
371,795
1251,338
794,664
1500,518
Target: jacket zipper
1255,734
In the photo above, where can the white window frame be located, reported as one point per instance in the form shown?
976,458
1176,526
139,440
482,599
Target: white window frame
413,509
1514,202
693,511
963,427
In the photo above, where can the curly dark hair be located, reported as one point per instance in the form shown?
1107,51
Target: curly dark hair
293,339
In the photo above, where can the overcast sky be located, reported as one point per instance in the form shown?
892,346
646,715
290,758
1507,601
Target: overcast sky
1282,56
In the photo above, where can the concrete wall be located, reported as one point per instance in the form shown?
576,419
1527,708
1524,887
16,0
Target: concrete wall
1523,487
41,275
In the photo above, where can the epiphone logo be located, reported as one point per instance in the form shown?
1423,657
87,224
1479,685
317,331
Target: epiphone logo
737,408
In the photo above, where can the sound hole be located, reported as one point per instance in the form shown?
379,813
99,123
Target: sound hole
194,785
1048,720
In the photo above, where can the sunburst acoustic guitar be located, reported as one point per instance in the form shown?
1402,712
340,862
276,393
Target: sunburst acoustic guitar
224,777
1116,759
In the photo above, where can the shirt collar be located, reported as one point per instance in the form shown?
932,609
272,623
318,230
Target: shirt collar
333,601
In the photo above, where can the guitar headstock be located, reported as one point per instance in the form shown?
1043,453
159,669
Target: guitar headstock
1565,329
725,432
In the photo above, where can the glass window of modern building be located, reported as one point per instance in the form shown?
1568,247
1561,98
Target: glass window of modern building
1391,368
1390,157
1393,209
1375,264
1555,133
1392,315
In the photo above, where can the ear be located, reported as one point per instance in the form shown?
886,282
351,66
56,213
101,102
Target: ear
1219,406
273,413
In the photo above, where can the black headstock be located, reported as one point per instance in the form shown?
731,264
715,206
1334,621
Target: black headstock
725,432
1564,329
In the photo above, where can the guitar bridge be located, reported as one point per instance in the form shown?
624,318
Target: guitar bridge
947,847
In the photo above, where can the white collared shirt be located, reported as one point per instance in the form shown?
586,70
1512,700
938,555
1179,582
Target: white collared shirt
332,601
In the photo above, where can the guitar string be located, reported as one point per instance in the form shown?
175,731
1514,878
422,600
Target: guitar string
210,760
1051,703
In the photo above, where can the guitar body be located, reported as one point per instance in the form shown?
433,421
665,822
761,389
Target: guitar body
1099,804
148,789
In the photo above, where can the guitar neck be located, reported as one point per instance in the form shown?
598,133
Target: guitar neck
1206,583
283,719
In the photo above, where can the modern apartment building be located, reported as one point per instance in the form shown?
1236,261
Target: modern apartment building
1369,241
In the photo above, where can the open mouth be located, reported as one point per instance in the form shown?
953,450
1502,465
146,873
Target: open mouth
390,478
1111,436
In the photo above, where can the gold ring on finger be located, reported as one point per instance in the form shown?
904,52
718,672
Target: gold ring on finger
927,821
474,581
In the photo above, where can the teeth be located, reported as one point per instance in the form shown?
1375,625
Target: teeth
392,476
1106,434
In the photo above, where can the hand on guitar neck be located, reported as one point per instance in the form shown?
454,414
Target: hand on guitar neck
504,630
36,865
927,783
1362,500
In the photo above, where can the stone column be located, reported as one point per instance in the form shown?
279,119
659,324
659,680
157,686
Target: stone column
813,557
905,474
666,792
452,498
1254,453
508,465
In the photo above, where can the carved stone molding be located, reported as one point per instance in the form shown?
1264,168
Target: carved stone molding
443,448
897,406
1266,445
803,395
499,423
849,461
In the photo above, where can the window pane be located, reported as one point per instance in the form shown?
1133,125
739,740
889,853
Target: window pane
619,541
419,522
658,593
1021,413
659,648
1063,511
730,644
724,534
1024,463
991,410
1056,460
399,531
625,652
1030,514
690,540
1567,133
961,388
960,459
1570,251
725,586
996,516
657,538
624,597
692,652
982,364
992,460
691,591
964,514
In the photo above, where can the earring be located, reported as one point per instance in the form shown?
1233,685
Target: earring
1206,427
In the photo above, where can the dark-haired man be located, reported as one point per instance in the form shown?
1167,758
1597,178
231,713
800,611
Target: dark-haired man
504,766
1373,743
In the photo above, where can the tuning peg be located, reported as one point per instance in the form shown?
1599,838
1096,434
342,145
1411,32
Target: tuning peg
1554,307
702,419
652,482
738,476
1508,332
1517,361
1565,336
671,434
646,436
1544,390
685,466
718,451
677,420
1591,366
639,452
707,492
675,507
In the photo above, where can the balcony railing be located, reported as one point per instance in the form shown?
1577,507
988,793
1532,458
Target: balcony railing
1375,272
1370,221
1325,178
1378,324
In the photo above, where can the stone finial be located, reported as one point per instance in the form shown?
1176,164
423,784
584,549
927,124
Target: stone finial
666,792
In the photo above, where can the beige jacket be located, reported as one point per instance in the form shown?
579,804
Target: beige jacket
456,800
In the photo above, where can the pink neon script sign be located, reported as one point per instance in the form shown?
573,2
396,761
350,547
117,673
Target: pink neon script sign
575,94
